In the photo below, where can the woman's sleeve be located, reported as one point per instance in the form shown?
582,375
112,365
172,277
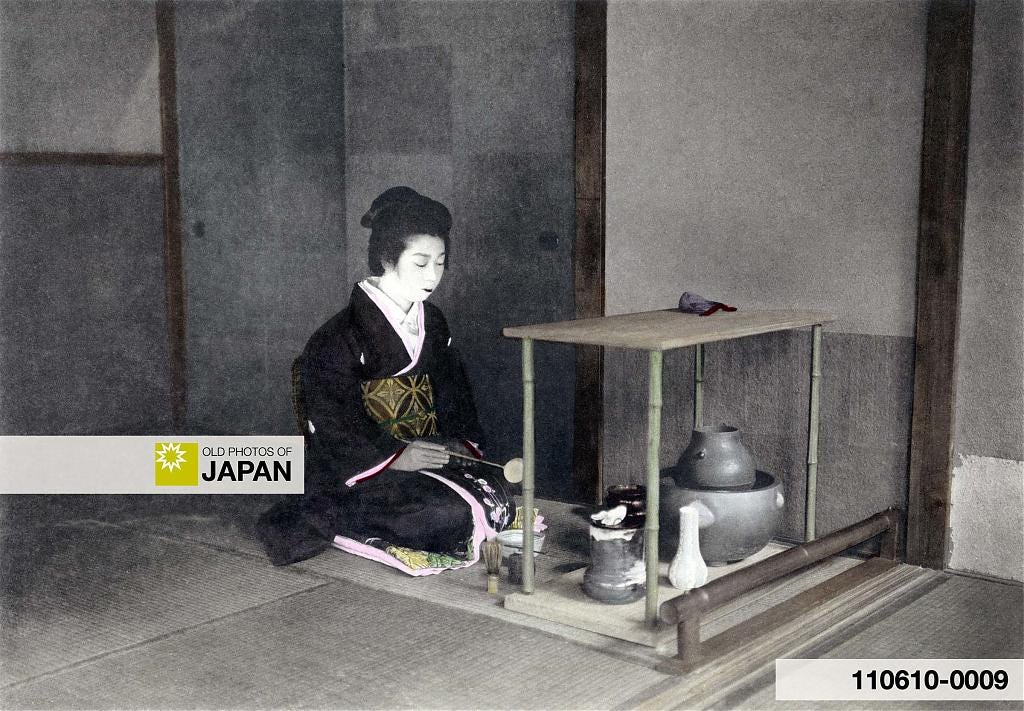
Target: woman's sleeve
343,441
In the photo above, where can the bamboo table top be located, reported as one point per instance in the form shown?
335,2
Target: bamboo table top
667,329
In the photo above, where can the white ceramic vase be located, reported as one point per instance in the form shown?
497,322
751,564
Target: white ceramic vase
688,570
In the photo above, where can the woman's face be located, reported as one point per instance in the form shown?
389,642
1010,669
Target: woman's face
418,271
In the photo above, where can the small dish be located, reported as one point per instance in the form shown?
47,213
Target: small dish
512,542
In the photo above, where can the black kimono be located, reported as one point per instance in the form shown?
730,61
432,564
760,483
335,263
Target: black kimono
360,392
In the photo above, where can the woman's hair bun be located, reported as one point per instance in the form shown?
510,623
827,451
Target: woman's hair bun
397,214
392,197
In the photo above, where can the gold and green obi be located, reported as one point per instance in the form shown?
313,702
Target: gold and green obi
404,404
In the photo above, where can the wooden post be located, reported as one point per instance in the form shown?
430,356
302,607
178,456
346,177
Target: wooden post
688,640
889,546
939,244
588,245
174,279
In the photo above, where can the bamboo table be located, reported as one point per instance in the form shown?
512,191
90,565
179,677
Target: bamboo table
656,332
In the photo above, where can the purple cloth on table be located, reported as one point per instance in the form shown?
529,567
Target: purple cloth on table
690,303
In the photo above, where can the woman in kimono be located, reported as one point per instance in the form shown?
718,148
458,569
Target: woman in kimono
384,394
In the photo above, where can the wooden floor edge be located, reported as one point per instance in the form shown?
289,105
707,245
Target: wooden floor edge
818,641
718,678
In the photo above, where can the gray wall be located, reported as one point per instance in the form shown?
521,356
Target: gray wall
766,154
260,96
761,153
83,340
986,524
471,103
990,386
79,76
83,335
261,123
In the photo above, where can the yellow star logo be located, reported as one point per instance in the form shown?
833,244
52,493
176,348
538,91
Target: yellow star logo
176,463
169,455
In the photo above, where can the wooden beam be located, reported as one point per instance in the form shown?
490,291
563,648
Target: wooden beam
944,143
57,158
588,245
174,278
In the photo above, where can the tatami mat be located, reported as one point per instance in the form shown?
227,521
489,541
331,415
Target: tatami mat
72,592
345,646
964,618
566,549
184,611
210,530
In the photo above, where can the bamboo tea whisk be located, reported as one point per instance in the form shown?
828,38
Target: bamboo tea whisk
491,550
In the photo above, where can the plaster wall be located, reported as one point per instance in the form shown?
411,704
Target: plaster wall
990,383
79,76
471,103
986,528
261,123
986,517
261,88
83,335
766,154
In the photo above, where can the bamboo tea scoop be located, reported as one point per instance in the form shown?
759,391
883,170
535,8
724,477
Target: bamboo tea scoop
512,469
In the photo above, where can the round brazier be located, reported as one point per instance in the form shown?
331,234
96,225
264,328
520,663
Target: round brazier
734,523
715,457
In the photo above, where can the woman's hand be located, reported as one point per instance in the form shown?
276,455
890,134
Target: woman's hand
458,446
420,454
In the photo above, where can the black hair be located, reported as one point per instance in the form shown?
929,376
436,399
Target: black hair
396,215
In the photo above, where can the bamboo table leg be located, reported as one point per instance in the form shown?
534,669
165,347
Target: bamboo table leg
812,434
698,385
653,476
528,465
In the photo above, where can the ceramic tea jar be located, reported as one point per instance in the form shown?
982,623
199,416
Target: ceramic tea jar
733,523
617,574
715,458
